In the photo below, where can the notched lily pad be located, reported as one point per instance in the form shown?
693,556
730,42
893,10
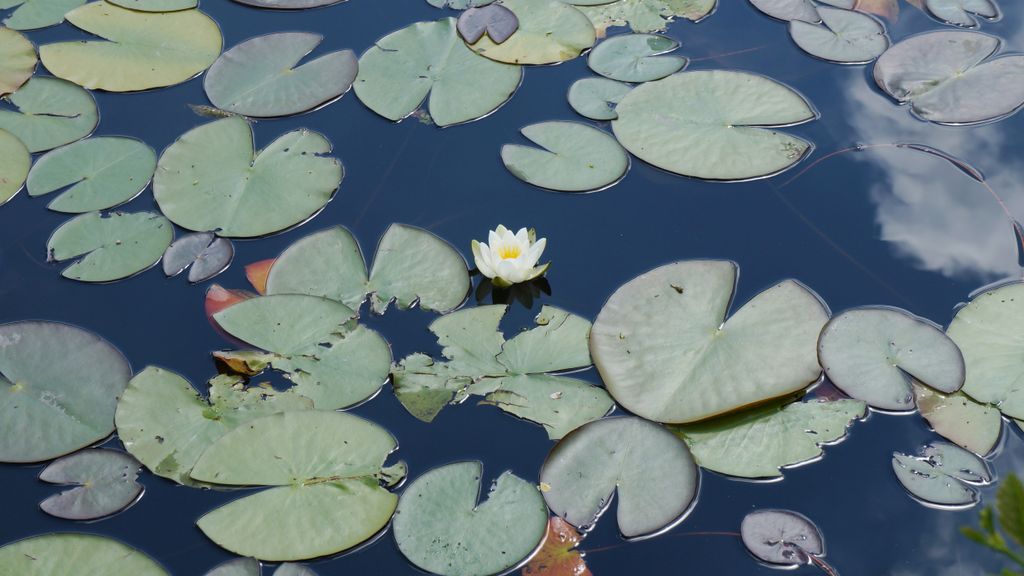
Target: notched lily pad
844,36
943,475
104,482
963,13
788,10
49,112
573,157
206,254
110,247
549,32
36,14
494,20
781,537
596,98
636,58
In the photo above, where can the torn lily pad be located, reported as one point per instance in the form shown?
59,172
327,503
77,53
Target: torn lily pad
60,388
262,78
636,58
156,5
137,50
559,555
649,468
75,553
17,60
442,527
110,247
516,375
324,471
15,161
206,254
596,98
49,112
494,20
663,343
573,157
646,15
104,482
412,266
781,537
400,71
943,474
549,32
788,10
963,13
844,36
36,14
93,174
959,419
212,179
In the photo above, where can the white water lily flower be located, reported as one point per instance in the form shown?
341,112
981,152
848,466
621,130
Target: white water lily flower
509,258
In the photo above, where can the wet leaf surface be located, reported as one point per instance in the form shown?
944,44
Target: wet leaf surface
781,537
956,417
943,474
104,482
49,112
558,556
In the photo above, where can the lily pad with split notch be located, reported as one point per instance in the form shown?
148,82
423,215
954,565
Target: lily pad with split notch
636,57
203,253
494,20
573,157
943,475
49,112
781,537
843,37
549,32
963,13
17,60
104,482
596,98
75,553
110,247
644,16
15,161
36,14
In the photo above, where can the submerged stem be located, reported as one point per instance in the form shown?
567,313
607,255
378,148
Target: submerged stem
830,571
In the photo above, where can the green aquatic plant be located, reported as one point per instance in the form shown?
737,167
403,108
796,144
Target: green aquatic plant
1007,517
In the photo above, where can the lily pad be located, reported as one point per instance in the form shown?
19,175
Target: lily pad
650,469
261,77
412,267
443,528
959,419
950,78
944,475
74,553
845,36
398,73
494,20
206,254
138,50
237,567
212,179
35,14
781,537
60,387
112,247
559,555
288,4
458,4
549,32
646,15
94,174
875,353
156,5
573,157
105,482
596,98
49,112
17,60
636,58
788,10
962,12
714,124
324,469
759,442
663,343
15,162
164,422
516,375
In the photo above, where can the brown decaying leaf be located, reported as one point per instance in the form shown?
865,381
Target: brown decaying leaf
219,298
257,274
888,9
558,556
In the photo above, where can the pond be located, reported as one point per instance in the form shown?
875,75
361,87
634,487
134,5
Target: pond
858,220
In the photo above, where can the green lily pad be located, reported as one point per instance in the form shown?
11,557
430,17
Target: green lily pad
35,14
516,375
573,157
412,267
874,354
441,526
549,32
156,5
596,98
49,112
251,567
15,162
324,469
714,124
398,72
164,422
758,443
943,474
781,537
261,76
94,174
288,4
959,419
112,247
650,469
59,387
212,179
74,553
663,344
105,482
636,58
788,10
962,12
138,50
646,15
17,60
845,36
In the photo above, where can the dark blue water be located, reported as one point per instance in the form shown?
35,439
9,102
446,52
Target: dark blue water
884,226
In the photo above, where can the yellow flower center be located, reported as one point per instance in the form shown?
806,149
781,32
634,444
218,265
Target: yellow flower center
509,252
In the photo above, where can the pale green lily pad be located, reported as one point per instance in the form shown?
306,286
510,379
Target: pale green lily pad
35,14
714,124
443,528
204,254
49,112
59,386
516,375
60,553
663,344
875,353
15,162
845,36
458,4
650,470
325,470
781,538
112,247
401,69
251,567
212,179
262,78
17,60
646,15
138,50
288,4
164,422
412,267
156,5
549,32
94,174
962,12
788,10
959,419
760,442
573,157
596,98
104,482
636,58
943,474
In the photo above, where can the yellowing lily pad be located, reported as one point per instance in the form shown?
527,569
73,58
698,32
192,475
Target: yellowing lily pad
73,553
17,60
15,162
646,15
549,32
